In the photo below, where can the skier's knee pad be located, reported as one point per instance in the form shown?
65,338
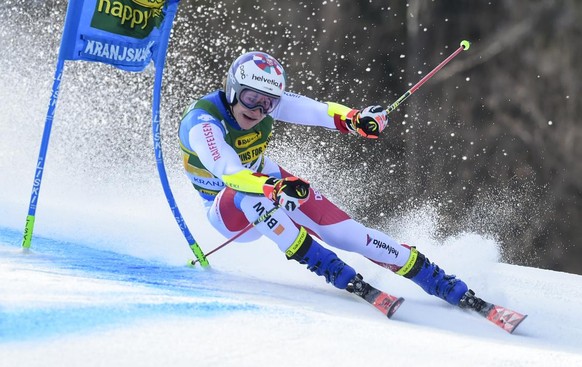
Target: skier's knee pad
320,260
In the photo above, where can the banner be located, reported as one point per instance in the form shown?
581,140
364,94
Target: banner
122,33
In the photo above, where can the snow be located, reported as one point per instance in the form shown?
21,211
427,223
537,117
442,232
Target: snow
65,304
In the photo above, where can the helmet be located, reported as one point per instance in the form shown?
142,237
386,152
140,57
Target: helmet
257,71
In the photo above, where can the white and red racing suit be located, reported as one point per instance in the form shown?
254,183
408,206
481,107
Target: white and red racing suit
228,167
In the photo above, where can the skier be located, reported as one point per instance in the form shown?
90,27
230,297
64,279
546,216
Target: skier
223,138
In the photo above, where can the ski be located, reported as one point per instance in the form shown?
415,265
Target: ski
382,301
500,316
388,304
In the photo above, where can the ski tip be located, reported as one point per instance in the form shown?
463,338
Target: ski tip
505,318
515,325
394,307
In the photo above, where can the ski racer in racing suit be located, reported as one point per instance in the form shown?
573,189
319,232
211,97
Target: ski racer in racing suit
224,137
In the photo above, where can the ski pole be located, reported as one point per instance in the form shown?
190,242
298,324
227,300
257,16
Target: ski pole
464,46
242,231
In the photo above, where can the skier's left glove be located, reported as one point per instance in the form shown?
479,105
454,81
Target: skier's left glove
368,122
289,192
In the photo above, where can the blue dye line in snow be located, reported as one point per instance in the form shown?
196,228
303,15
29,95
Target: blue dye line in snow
72,258
102,264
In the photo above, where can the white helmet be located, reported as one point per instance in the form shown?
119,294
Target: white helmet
257,71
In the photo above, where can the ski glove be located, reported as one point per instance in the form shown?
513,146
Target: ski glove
368,122
289,192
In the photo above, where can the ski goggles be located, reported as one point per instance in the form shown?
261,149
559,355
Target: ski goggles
253,100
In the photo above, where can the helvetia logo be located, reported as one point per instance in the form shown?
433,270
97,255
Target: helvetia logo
380,244
132,18
262,79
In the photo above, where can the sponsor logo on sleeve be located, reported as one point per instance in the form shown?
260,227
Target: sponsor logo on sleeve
210,141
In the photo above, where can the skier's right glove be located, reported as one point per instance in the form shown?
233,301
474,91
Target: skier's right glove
289,192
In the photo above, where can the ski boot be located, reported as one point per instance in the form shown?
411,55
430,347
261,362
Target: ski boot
433,279
320,260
